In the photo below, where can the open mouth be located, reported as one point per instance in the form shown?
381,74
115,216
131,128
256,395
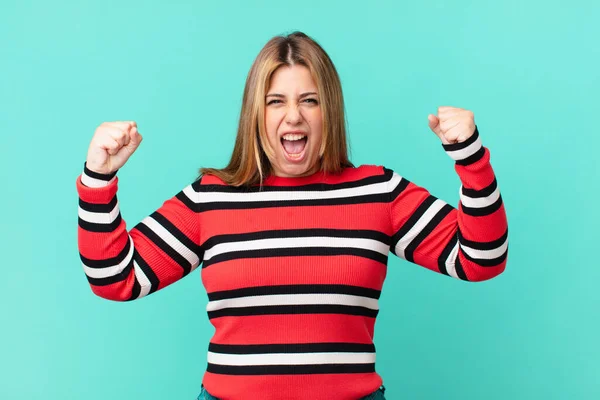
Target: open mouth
294,145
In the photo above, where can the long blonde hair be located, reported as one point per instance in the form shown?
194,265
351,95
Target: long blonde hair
249,161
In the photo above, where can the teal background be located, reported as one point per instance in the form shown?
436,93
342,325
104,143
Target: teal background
528,70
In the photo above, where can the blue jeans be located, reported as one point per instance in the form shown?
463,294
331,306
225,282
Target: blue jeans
376,395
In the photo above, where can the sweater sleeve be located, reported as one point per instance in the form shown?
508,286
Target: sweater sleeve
469,242
126,265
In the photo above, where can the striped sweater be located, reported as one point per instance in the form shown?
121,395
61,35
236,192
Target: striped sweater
294,269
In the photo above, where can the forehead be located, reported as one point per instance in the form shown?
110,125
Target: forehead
295,77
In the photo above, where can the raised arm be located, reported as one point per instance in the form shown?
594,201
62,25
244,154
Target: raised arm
469,242
126,265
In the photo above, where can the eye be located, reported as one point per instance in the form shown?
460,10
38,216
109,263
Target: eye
313,100
273,101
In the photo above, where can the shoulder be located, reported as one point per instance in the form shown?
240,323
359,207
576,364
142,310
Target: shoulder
372,169
368,170
375,173
209,179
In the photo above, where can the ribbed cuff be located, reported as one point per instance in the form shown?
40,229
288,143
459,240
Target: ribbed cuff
467,152
94,179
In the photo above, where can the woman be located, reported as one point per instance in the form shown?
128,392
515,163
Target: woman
293,238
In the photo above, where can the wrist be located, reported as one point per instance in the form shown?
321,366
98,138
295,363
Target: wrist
466,152
91,178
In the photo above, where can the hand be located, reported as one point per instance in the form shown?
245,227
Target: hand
452,125
112,145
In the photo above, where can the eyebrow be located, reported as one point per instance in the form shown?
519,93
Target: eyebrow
281,95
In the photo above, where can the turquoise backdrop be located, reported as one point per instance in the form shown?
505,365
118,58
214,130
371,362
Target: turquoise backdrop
529,71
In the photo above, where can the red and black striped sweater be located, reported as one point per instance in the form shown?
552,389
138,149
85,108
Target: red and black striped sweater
294,269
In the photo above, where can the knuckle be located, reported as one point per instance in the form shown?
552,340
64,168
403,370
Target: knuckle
101,132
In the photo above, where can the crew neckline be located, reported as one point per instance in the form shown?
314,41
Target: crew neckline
274,180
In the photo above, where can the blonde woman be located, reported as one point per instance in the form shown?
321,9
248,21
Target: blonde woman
293,238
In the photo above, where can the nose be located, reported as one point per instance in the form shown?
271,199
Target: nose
293,115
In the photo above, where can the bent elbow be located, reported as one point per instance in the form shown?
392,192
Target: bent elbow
115,292
481,274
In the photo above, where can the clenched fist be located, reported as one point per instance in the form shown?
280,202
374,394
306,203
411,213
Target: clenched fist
452,124
112,145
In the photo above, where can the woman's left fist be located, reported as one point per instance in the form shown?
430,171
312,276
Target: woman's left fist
452,125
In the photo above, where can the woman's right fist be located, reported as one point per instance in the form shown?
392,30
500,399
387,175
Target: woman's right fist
112,145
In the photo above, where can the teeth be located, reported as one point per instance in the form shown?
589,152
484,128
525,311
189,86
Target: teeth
293,136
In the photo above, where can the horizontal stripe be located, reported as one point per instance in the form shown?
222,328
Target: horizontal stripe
94,180
104,270
473,158
479,199
100,217
110,280
142,285
337,201
99,207
484,254
294,309
289,196
297,233
294,289
485,261
290,358
312,187
295,252
461,152
294,299
291,369
94,183
475,193
108,262
281,243
331,347
488,253
102,228
482,211
297,242
491,245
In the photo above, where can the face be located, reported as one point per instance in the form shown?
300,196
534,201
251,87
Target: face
293,121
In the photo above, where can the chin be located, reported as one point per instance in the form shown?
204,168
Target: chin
294,170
